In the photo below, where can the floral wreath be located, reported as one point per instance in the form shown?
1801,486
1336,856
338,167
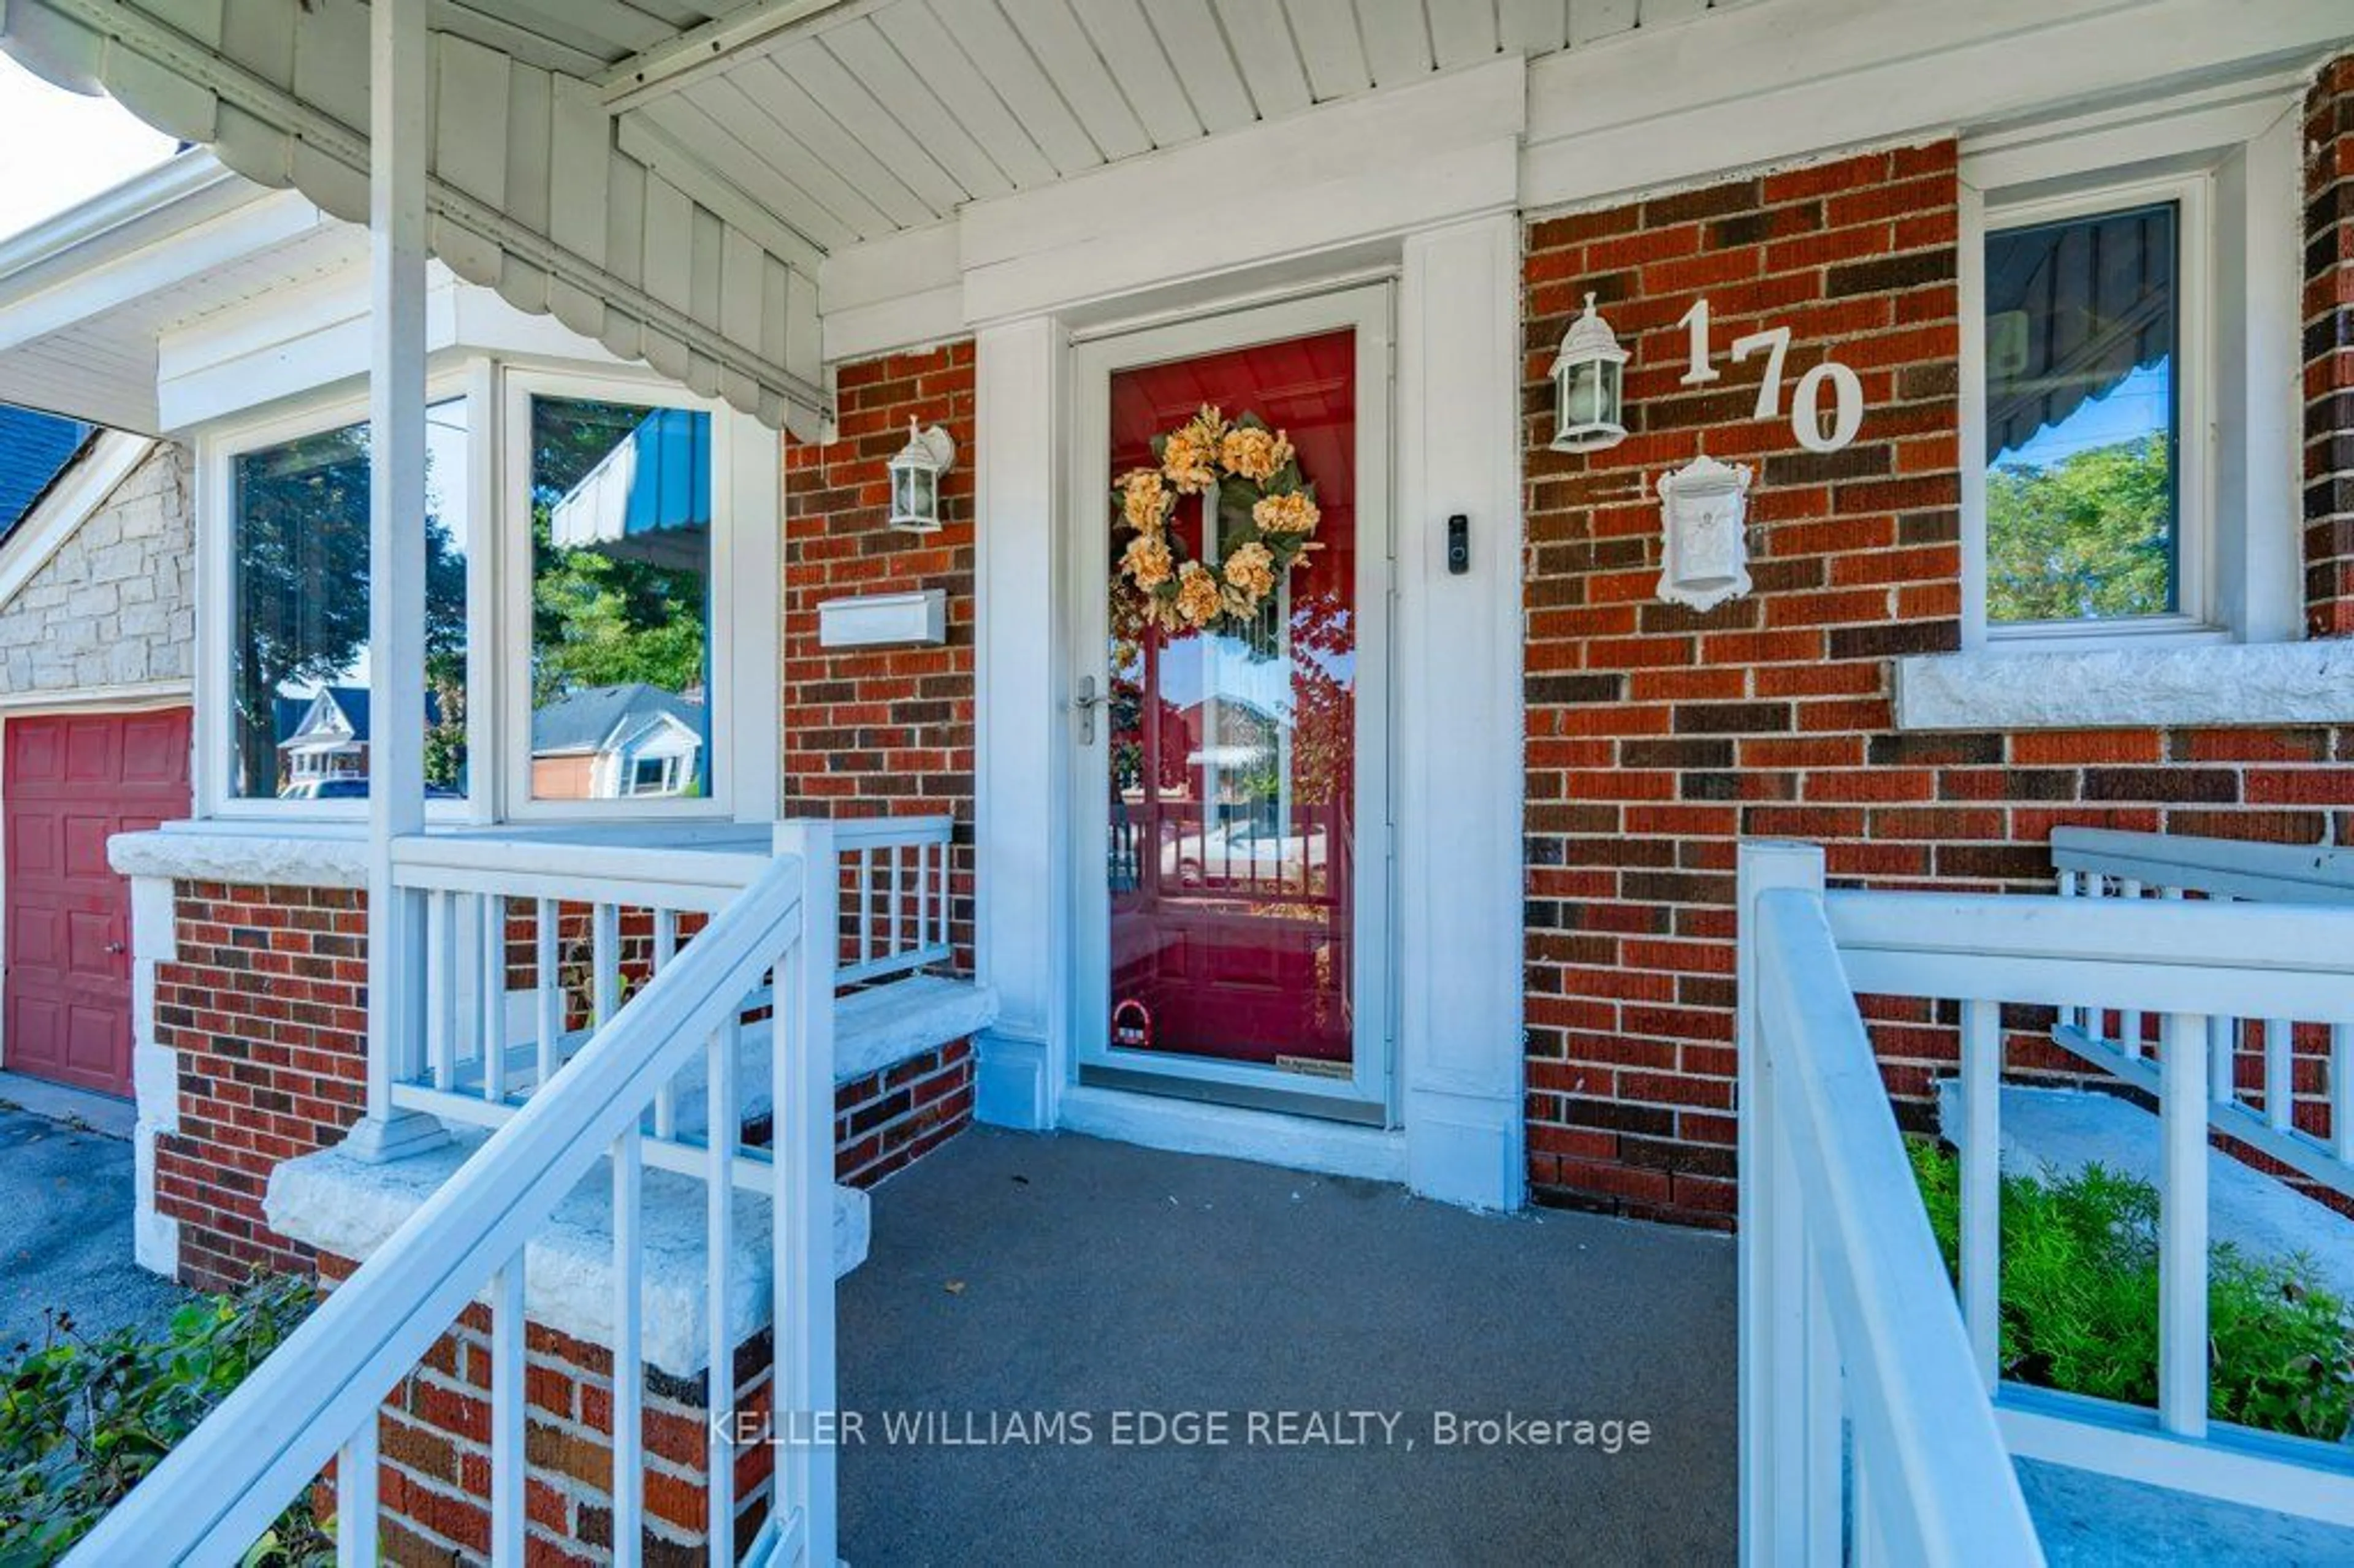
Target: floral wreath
1244,462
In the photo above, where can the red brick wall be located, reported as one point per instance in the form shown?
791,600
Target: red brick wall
267,1008
2329,351
1658,737
893,1117
883,731
434,1464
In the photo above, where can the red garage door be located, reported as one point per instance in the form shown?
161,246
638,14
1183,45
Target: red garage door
69,783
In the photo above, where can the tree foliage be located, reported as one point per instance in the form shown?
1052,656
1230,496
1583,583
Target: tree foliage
2089,537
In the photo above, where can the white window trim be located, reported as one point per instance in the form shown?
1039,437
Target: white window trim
218,450
2196,619
746,668
520,384
2230,159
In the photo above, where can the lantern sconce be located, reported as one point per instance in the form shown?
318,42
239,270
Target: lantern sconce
915,479
1588,386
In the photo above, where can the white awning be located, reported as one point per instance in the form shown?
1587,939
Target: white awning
528,189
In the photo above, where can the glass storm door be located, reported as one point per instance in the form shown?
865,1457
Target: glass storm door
1232,777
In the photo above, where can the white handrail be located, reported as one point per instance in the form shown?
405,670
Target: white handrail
2175,961
2127,869
1841,1285
2271,874
319,1391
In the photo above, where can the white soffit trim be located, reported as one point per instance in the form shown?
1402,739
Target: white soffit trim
527,191
2129,688
1359,168
82,490
1801,78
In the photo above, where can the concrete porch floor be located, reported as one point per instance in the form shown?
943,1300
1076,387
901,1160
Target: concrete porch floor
1019,1275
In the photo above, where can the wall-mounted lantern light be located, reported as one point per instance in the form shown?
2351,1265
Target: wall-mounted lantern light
915,479
1588,386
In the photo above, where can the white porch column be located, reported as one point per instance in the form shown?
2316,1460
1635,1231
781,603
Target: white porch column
398,59
1459,720
1021,817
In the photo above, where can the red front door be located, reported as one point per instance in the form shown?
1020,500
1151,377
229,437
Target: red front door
1233,753
67,784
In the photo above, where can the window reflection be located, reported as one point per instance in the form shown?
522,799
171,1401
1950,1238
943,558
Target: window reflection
2083,414
298,590
621,602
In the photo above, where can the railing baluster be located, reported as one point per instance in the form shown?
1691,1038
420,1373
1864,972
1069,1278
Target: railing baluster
356,1498
948,886
441,986
665,949
548,996
923,893
493,999
2182,1228
509,1469
2342,1091
605,963
1981,1238
2223,1052
865,905
896,908
719,1197
628,1368
2280,1073
2129,1024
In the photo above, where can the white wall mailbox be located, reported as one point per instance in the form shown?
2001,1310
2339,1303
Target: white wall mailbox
872,619
1704,507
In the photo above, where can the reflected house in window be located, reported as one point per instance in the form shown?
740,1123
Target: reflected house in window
607,742
323,738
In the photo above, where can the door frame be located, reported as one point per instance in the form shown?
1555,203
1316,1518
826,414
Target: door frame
124,701
1370,1094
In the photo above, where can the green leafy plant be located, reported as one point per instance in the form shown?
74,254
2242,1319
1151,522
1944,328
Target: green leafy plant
2079,1302
84,1418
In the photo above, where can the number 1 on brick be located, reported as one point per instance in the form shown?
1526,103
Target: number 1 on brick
1805,402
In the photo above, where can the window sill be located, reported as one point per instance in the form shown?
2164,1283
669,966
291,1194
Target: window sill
2182,686
321,852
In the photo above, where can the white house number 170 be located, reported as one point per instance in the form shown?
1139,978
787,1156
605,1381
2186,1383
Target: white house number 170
1806,399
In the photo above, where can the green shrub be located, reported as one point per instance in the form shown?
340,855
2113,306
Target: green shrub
2079,1302
83,1419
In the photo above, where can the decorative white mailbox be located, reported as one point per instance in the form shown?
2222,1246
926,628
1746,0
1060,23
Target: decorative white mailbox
1704,507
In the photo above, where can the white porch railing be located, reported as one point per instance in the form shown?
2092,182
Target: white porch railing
899,893
590,922
317,1396
1839,1266
1848,1322
2097,864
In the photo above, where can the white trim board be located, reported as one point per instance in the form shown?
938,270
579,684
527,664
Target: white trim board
1194,1127
1800,79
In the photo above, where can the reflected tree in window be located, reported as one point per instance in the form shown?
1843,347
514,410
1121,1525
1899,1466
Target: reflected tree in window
2091,536
301,592
605,616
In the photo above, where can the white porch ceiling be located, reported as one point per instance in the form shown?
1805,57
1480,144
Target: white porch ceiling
665,176
874,117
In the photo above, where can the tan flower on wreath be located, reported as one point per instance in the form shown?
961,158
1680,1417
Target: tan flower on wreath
1189,456
1198,599
1254,453
1291,512
1251,569
1144,500
1147,561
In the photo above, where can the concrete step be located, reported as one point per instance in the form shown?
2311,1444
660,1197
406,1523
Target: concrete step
342,1205
2087,1521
